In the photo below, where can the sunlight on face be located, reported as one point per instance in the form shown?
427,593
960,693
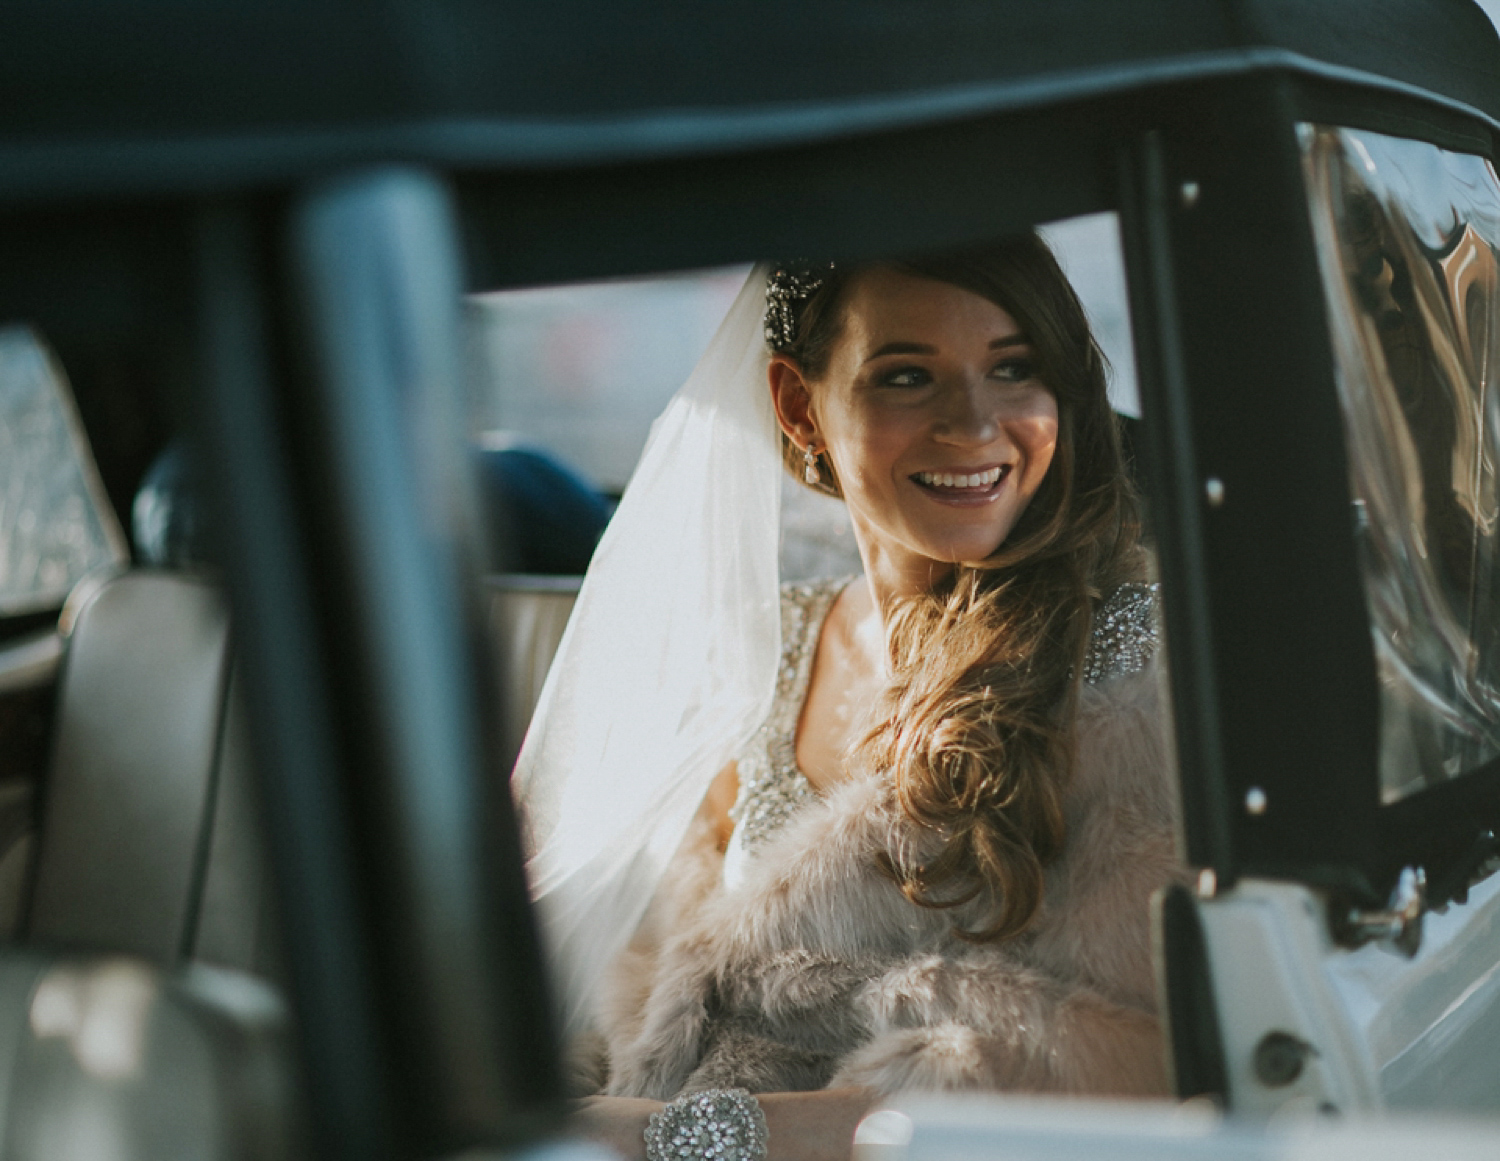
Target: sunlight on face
935,421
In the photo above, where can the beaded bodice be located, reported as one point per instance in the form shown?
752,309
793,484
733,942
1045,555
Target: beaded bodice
773,788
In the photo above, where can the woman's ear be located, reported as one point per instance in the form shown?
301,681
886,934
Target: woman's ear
792,398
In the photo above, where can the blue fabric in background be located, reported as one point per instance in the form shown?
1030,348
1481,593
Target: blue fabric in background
168,519
542,517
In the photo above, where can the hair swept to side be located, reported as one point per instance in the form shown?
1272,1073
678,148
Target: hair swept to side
976,726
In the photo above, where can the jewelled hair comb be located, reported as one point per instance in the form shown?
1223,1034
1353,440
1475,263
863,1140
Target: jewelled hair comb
788,287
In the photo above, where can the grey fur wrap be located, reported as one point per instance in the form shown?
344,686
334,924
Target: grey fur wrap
815,971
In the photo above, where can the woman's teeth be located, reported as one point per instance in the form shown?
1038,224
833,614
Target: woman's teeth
949,480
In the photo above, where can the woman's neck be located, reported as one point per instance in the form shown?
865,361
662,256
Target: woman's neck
856,622
893,574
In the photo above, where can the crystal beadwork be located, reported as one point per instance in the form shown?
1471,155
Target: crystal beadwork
1125,636
772,788
722,1123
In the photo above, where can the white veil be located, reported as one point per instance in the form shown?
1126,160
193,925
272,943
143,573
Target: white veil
668,663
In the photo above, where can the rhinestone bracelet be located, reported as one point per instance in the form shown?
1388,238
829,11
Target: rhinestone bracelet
724,1124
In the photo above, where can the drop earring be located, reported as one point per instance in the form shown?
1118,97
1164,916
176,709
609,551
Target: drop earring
810,471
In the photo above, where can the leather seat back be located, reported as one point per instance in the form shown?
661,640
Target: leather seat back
128,809
237,925
147,845
149,841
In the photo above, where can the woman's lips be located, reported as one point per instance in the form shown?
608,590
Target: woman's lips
966,480
977,478
968,486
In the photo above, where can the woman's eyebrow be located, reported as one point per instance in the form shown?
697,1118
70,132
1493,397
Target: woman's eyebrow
902,349
899,348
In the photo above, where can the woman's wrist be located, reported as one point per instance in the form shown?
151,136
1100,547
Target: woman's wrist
618,1122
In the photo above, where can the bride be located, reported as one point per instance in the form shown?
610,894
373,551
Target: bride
794,852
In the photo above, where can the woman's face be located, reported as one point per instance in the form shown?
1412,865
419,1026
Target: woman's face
933,416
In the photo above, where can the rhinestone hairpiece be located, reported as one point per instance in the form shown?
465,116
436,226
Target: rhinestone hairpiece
788,287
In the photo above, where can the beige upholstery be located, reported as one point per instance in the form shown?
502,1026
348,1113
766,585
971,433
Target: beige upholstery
528,616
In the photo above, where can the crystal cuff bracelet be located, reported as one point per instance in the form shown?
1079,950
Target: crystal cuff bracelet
723,1124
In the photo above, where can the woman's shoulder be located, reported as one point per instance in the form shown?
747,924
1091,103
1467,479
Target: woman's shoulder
1123,718
1123,752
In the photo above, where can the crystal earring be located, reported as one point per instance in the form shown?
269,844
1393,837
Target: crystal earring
810,471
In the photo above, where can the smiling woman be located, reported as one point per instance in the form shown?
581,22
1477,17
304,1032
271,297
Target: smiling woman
928,864
914,377
930,401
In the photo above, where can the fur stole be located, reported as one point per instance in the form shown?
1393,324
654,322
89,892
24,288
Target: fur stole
816,971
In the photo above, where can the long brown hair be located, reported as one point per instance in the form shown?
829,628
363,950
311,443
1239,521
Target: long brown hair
976,726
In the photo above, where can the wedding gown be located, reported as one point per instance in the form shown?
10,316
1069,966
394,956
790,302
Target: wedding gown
791,963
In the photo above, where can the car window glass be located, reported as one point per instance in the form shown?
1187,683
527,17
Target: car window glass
1409,243
582,370
56,524
1089,250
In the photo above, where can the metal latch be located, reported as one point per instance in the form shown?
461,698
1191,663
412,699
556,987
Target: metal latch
1400,924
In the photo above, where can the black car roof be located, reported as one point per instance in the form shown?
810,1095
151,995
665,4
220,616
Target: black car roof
167,92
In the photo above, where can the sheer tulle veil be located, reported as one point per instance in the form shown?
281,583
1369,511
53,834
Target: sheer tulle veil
668,662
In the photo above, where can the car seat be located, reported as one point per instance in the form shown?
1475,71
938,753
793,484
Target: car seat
138,1010
147,840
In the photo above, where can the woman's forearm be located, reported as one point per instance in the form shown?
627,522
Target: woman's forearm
619,1122
815,1126
804,1126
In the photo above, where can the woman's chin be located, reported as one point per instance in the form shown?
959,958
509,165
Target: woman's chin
964,549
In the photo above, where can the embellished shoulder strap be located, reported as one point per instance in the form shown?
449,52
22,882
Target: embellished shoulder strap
1126,633
804,605
772,788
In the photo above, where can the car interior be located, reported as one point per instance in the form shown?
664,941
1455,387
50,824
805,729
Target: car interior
261,877
136,843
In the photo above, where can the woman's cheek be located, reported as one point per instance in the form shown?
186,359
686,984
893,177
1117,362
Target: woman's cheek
1041,444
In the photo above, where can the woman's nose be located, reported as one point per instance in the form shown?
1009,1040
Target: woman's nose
968,415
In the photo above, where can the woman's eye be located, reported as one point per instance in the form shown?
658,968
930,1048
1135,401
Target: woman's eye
1015,370
907,377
